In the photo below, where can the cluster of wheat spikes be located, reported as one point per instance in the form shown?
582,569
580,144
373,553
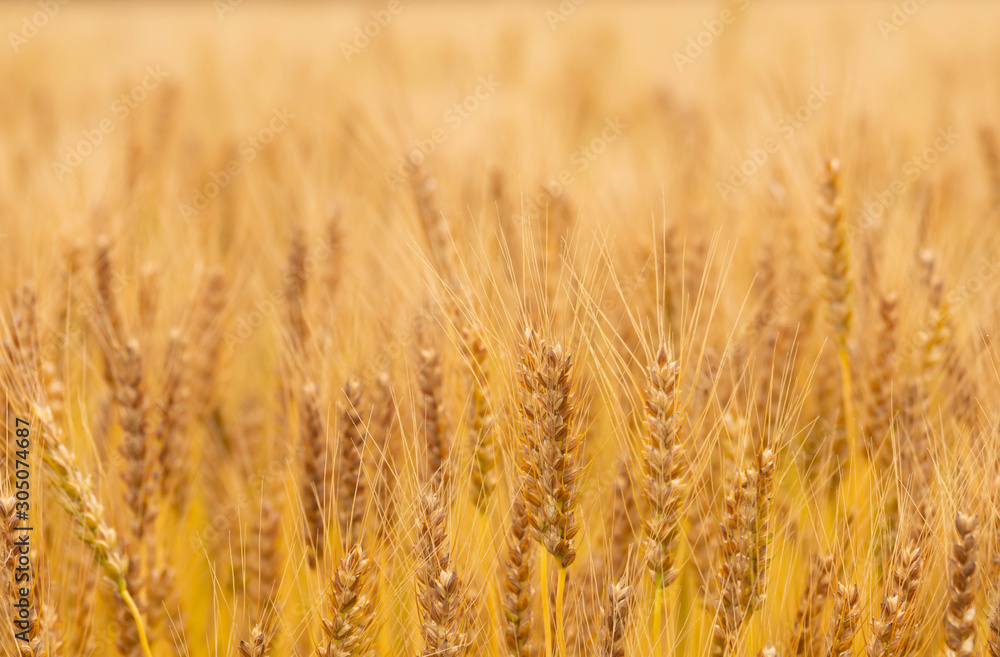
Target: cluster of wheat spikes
368,402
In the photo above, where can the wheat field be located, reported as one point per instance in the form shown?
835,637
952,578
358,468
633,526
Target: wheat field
541,329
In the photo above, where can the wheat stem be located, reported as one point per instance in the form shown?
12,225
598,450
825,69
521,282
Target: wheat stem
546,613
658,614
130,603
560,619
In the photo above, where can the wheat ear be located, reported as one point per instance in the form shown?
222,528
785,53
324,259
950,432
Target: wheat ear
845,621
517,589
615,620
745,542
837,271
315,473
352,489
352,608
480,418
960,615
807,632
429,383
664,470
260,638
548,405
440,595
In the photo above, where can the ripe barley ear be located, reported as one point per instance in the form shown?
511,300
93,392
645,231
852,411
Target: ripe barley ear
382,432
171,432
623,523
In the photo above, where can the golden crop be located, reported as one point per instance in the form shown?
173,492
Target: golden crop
534,328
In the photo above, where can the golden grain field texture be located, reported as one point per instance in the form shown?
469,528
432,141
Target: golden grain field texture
530,329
